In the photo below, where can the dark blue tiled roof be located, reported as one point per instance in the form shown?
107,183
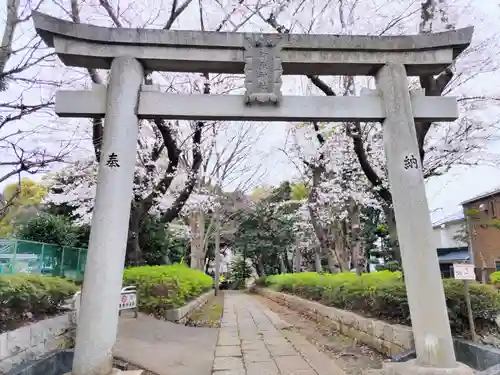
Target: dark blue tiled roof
460,255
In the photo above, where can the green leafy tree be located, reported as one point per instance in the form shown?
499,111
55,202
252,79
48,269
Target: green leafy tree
260,193
280,194
19,202
82,234
240,272
51,229
373,229
264,235
299,192
462,234
159,245
54,230
154,241
62,209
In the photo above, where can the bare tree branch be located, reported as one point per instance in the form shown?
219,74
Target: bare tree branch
176,12
15,62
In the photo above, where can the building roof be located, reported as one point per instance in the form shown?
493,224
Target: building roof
454,256
453,218
482,196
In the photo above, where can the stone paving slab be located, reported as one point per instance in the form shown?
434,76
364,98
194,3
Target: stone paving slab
166,348
254,341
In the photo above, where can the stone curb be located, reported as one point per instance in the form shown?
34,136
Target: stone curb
389,339
181,314
33,341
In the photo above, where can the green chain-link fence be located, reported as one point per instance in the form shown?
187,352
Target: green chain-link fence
19,256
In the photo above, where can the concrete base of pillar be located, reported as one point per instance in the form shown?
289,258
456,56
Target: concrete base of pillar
121,372
413,368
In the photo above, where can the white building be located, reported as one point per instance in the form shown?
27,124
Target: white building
446,229
449,249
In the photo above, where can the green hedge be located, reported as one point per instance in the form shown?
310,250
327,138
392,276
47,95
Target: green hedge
160,288
28,297
382,295
495,278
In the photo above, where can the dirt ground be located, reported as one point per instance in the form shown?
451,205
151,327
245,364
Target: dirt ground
351,356
210,314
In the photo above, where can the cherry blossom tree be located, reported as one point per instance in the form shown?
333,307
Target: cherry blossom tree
441,146
338,191
227,161
343,165
170,154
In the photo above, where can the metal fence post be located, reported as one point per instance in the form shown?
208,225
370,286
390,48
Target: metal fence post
61,269
78,261
42,258
13,266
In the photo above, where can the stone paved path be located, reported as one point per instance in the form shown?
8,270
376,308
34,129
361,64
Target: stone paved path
165,348
255,341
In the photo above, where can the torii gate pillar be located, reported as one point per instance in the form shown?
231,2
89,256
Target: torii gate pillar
98,318
431,326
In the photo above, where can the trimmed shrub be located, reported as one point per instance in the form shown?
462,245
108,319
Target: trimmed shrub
382,295
31,297
495,278
160,288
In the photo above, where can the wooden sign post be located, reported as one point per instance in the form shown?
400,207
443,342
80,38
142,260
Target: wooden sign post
465,272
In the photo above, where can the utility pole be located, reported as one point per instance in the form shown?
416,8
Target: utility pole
217,217
217,239
197,222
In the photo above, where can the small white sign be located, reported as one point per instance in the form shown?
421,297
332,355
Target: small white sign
464,271
128,301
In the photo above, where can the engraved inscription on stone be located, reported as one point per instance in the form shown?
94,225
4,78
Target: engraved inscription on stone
112,161
410,162
263,69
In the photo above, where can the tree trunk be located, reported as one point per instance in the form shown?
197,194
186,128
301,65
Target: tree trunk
257,268
356,246
312,202
341,247
282,264
217,248
134,254
261,266
393,233
207,264
297,260
317,260
197,223
324,244
288,266
484,275
332,264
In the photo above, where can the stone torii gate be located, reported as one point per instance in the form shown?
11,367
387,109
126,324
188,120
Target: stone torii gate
263,58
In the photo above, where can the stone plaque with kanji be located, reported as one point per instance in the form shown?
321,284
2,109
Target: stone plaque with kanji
263,69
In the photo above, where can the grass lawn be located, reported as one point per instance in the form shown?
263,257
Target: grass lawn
210,314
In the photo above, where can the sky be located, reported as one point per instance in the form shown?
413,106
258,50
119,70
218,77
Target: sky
444,193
